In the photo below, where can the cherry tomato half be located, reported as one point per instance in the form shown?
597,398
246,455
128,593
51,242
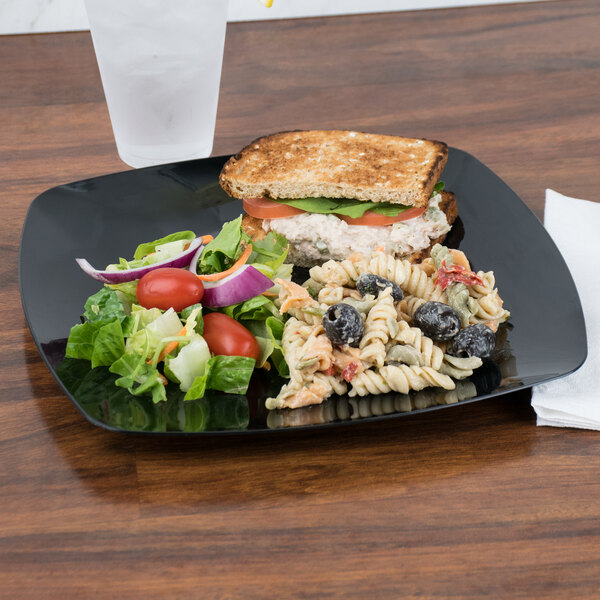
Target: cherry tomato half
226,336
169,288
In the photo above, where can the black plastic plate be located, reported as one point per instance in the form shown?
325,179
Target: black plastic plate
106,217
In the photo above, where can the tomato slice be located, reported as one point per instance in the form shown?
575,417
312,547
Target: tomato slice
263,208
377,220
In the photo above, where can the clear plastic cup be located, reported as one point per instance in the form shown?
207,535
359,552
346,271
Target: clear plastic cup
160,63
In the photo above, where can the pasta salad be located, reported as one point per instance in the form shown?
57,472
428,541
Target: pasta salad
373,325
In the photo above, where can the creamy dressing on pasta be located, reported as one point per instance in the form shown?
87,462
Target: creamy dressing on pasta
318,237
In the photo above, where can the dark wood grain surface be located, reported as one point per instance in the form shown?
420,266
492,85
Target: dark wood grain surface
473,502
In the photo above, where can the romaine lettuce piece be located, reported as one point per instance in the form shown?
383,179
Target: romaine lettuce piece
230,374
138,377
105,306
109,345
81,341
142,317
255,309
164,243
269,254
190,362
268,334
186,312
100,338
150,337
220,253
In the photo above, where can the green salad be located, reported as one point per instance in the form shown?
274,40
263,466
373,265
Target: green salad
187,311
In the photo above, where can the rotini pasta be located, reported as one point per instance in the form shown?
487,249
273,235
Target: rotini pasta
315,355
459,368
391,355
476,303
399,378
401,353
410,277
419,284
489,308
343,273
489,282
329,295
298,303
295,334
430,355
389,267
296,395
407,306
307,349
380,323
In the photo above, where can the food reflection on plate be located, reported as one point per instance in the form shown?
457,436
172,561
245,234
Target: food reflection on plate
343,408
97,396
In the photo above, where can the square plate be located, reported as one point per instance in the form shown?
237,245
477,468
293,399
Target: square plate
106,217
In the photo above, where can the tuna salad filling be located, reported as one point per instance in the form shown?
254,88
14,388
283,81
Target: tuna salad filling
316,237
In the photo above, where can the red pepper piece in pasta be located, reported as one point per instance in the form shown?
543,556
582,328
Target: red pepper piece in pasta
456,274
349,372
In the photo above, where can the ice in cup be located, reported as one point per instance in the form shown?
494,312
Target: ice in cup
160,63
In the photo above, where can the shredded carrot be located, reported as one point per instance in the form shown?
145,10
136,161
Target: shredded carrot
163,379
378,249
267,293
169,347
242,260
204,238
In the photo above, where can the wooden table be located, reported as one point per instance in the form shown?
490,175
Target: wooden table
472,502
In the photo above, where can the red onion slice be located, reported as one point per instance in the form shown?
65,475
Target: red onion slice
180,260
194,262
244,284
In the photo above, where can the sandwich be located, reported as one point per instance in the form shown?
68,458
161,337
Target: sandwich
335,193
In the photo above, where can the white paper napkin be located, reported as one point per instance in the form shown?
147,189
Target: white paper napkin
574,401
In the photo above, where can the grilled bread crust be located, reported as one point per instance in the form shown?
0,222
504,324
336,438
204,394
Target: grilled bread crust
336,164
253,227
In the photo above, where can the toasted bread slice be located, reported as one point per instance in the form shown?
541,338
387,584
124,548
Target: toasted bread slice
253,227
336,164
